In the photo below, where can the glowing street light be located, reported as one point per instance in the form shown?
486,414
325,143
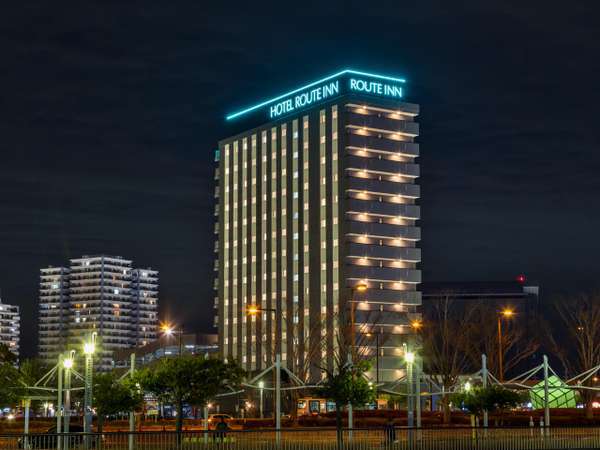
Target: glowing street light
360,287
506,313
89,348
416,325
169,330
261,387
409,357
68,365
468,386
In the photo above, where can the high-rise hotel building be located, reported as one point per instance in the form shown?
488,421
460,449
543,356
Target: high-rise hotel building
317,201
101,294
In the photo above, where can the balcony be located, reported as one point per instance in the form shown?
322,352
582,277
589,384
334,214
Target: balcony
384,166
383,124
382,145
383,208
390,296
383,274
381,187
383,230
383,251
381,318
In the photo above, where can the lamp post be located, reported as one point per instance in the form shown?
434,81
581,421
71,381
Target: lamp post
67,365
88,349
505,313
409,358
376,359
169,330
254,310
261,386
360,287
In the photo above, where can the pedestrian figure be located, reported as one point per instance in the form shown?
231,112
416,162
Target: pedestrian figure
221,429
389,432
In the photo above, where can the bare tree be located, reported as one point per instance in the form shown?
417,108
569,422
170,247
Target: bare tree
516,346
447,339
579,319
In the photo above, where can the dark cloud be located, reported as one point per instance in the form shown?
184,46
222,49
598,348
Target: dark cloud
111,111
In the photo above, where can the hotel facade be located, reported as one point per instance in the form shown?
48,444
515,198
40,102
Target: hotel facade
318,226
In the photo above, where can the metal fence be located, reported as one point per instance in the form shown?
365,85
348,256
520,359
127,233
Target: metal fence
320,439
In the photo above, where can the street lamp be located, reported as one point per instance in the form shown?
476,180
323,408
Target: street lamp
360,287
89,349
254,310
376,358
169,330
409,358
507,314
67,365
261,387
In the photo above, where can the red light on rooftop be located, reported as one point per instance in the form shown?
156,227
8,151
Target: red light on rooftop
521,278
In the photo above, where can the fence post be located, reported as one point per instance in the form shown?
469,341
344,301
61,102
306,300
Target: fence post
131,413
546,399
484,378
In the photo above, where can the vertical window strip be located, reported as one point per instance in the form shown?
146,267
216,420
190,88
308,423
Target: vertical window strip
243,245
233,262
225,256
264,276
253,260
323,211
274,213
283,255
295,241
306,222
335,206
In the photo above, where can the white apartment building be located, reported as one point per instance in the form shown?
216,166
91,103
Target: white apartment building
101,294
10,327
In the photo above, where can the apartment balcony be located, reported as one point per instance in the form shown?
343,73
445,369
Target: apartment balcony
380,318
389,296
383,124
410,254
382,230
383,166
381,144
382,187
383,274
382,208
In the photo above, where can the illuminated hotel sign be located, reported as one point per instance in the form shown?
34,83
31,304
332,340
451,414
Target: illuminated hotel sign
347,81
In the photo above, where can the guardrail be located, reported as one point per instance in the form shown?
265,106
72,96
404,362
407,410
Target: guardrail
319,439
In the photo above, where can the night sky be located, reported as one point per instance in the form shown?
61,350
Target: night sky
110,112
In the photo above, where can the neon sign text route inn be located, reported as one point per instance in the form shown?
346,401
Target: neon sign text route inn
346,81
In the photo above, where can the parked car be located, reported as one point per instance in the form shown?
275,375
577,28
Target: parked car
49,438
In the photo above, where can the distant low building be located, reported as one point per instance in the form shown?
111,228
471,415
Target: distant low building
10,327
165,346
516,295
